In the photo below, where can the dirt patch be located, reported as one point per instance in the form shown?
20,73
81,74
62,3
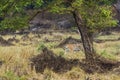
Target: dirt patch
1,63
13,40
47,59
100,65
119,38
69,40
107,64
105,40
4,42
106,33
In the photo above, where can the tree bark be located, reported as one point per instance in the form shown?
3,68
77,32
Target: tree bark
86,36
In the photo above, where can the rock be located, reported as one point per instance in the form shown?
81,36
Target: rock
64,24
50,20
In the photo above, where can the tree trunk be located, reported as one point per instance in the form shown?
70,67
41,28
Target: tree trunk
86,36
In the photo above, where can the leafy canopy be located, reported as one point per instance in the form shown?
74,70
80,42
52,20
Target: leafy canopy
96,14
13,13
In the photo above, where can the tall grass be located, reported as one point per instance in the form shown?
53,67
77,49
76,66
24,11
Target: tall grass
16,62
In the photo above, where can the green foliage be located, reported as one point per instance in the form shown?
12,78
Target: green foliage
96,14
108,2
41,46
9,75
8,6
14,13
58,7
73,28
14,23
106,55
51,45
61,53
99,19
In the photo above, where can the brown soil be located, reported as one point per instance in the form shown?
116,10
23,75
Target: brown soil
100,65
106,40
4,42
106,33
119,38
13,40
47,59
1,62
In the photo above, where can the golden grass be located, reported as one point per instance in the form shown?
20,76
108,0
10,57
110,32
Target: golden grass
110,48
112,36
16,64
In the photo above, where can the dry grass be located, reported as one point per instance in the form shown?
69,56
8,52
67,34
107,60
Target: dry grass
16,64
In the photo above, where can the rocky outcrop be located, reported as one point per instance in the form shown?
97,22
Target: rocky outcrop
50,20
61,21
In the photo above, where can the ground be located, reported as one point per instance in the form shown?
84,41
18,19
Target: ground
16,65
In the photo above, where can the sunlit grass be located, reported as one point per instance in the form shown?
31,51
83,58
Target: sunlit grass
16,59
112,36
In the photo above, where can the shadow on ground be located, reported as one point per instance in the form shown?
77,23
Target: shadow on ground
4,42
58,64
